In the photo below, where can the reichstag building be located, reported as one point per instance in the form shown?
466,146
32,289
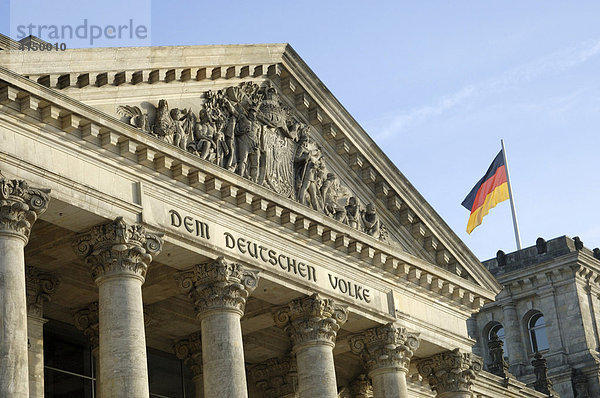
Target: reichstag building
209,221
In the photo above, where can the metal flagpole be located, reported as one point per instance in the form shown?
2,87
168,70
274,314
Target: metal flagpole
512,200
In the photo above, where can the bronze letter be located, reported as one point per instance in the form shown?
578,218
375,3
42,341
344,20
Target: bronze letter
175,219
229,240
188,222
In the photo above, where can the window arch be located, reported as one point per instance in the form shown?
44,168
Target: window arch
499,330
537,332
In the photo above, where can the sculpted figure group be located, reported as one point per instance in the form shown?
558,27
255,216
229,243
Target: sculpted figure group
247,129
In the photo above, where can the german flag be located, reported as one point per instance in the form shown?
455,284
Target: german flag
487,193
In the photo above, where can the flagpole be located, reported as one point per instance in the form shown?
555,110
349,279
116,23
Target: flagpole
512,200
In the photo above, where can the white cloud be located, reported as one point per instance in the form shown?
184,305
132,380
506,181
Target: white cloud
551,64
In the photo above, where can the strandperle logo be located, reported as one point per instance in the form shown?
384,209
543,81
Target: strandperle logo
85,30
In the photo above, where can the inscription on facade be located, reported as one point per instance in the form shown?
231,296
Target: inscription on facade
193,226
268,255
351,289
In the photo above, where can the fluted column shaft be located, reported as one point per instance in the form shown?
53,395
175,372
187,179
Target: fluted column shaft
20,207
223,355
386,351
312,324
219,291
119,255
122,349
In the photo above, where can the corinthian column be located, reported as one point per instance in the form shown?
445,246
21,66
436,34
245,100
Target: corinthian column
20,206
40,287
451,373
312,324
189,350
118,255
219,291
386,351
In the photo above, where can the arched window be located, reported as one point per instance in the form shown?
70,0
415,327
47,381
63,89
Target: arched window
499,330
537,333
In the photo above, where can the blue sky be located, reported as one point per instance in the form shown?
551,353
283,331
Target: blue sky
436,84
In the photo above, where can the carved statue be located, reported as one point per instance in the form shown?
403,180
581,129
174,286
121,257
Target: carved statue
164,126
331,192
542,383
353,218
309,167
250,130
134,116
370,220
184,127
498,364
246,134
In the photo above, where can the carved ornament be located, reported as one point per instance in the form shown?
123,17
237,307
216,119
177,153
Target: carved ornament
385,348
20,206
118,248
218,285
450,371
312,320
40,287
249,130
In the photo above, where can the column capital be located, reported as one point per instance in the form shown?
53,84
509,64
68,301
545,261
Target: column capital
20,206
312,320
218,285
450,371
40,286
276,378
87,320
117,248
189,350
386,347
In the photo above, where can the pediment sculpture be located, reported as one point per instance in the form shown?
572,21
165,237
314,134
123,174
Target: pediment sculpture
247,129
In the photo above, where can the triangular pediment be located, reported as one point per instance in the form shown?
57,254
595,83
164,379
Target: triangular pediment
260,112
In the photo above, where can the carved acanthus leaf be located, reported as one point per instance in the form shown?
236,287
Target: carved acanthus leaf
385,347
218,285
312,319
276,377
40,287
87,320
118,247
189,349
450,371
20,206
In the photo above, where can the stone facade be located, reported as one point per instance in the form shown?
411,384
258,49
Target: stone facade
557,280
223,192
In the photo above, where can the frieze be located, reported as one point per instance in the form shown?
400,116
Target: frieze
248,129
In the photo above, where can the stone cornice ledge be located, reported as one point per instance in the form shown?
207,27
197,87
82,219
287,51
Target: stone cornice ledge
384,166
102,130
